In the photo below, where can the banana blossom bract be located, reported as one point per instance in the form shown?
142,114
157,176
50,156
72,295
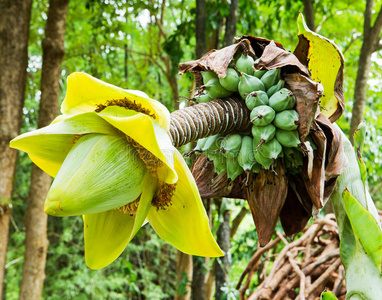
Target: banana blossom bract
114,163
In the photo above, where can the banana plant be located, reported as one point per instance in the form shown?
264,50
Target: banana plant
356,215
114,158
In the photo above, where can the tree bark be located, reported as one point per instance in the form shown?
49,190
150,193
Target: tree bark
36,242
183,275
198,285
14,34
200,24
370,40
309,14
222,266
237,220
230,25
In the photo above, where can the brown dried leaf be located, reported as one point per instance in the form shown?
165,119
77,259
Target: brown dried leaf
294,215
336,160
211,185
315,182
258,43
308,94
274,57
266,196
216,60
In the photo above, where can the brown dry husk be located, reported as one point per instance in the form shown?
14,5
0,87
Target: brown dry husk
295,198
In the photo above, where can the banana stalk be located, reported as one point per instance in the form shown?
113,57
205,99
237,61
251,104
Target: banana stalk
360,231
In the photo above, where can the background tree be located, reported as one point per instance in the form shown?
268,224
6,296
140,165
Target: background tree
370,44
36,242
14,32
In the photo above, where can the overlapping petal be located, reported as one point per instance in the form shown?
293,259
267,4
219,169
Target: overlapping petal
49,146
185,223
85,93
146,132
108,233
100,173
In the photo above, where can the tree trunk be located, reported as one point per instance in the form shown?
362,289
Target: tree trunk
173,82
230,25
184,276
210,282
360,89
309,14
200,24
14,34
36,242
370,41
222,266
198,285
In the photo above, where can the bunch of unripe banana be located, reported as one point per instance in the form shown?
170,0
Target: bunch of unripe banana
273,115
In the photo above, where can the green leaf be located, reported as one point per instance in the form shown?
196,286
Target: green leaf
347,243
365,228
359,139
328,296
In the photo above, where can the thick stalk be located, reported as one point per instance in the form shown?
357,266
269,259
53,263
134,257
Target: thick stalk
363,279
206,119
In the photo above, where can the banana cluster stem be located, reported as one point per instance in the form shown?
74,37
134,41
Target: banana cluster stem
206,119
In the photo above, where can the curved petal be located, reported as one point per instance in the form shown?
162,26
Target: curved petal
84,92
185,223
100,173
48,146
106,234
145,131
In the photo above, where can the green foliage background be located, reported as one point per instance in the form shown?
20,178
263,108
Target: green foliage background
98,34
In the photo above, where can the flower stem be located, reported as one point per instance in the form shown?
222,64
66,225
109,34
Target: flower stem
206,119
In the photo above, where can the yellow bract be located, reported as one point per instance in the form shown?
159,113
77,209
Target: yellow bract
85,93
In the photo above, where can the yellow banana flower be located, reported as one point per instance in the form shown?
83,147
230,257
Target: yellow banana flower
114,163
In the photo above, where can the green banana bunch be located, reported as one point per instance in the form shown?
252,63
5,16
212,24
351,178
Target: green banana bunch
275,88
262,134
282,100
233,168
287,119
202,97
231,145
275,121
262,115
245,64
271,78
288,138
271,150
255,99
215,90
208,75
246,157
231,81
248,84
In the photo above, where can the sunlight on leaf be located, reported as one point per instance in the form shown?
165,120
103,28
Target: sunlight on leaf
325,63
